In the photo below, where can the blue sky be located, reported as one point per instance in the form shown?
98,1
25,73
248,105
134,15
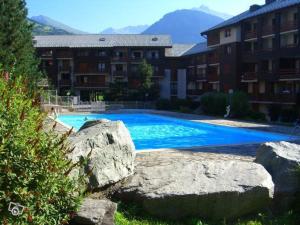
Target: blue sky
95,15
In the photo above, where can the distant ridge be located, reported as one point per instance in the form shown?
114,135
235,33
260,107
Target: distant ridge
126,30
185,25
44,20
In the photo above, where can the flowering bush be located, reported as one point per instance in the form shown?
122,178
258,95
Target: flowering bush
33,164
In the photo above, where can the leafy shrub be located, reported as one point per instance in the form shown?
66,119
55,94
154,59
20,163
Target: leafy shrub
214,103
240,106
33,166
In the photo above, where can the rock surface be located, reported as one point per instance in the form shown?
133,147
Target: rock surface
91,123
110,152
282,161
184,185
95,212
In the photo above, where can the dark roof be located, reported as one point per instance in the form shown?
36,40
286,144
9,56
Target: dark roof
114,40
267,8
178,50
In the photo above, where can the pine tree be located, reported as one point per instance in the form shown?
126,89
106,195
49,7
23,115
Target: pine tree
16,44
145,72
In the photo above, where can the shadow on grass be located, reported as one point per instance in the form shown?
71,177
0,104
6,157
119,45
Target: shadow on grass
130,214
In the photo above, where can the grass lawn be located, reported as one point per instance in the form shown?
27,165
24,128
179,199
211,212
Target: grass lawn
133,215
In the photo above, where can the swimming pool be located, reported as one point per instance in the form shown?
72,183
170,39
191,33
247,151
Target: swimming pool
155,132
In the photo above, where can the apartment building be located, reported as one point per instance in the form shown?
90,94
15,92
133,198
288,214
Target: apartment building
259,53
87,64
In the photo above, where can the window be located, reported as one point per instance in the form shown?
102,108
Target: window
47,53
296,39
227,32
262,87
137,55
200,86
101,67
153,55
191,86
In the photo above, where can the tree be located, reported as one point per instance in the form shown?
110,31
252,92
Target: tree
16,45
33,167
145,72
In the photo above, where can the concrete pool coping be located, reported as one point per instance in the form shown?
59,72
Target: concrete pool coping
244,150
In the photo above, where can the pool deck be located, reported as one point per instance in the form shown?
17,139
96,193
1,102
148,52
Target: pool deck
239,152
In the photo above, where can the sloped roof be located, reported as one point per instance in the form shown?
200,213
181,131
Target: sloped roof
178,50
114,40
267,8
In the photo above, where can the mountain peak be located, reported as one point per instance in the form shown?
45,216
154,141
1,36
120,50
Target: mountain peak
206,9
125,30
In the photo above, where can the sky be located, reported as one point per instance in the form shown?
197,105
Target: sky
94,16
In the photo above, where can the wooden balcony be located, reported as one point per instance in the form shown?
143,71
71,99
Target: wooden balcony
90,71
289,45
289,74
119,59
90,84
268,30
213,77
119,73
213,59
65,83
201,77
249,76
213,39
64,54
65,68
250,35
288,26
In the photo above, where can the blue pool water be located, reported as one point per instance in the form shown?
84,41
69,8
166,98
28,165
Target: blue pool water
155,132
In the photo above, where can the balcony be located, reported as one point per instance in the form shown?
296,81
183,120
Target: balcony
249,76
268,30
201,77
213,77
119,59
65,83
285,45
250,35
213,39
288,26
96,84
64,54
195,92
89,71
65,68
289,74
119,73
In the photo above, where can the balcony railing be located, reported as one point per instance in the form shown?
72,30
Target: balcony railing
268,30
89,71
289,45
213,59
195,92
249,76
119,73
289,73
250,35
64,55
288,26
201,77
120,58
65,82
213,40
96,84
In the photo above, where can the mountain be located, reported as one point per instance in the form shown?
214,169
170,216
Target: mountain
41,29
184,25
207,10
44,20
126,30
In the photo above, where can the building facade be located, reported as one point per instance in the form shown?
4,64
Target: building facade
257,52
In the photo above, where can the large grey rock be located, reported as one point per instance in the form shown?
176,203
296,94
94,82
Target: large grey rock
110,152
91,123
282,160
184,186
95,212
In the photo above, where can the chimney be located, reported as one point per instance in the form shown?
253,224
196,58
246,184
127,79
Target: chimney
270,1
254,8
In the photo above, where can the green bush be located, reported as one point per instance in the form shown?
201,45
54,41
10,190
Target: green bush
240,106
33,166
182,105
214,103
288,115
257,116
